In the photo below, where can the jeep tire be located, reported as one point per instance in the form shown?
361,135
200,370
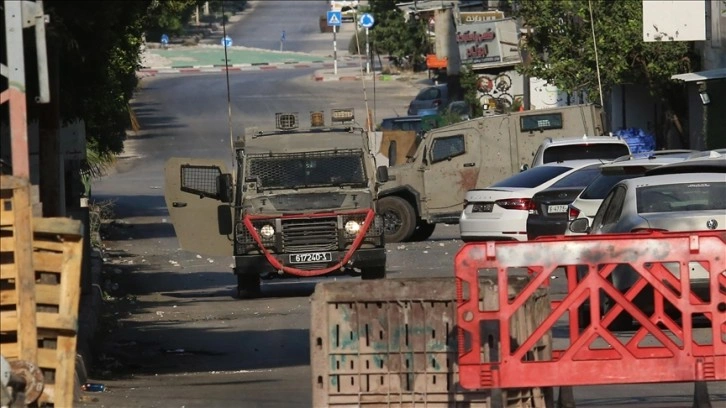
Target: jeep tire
423,231
248,286
399,218
373,272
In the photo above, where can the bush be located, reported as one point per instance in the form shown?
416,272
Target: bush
353,45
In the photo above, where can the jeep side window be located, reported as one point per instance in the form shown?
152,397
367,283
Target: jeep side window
445,148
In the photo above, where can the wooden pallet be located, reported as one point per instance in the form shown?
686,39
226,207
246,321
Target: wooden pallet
57,250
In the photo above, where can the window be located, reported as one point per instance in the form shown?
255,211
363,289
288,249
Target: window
610,209
606,151
533,177
200,180
612,214
599,188
429,94
530,123
681,197
392,153
447,147
578,178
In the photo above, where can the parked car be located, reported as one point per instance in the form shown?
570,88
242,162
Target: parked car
430,101
580,148
627,167
549,216
500,211
702,162
689,201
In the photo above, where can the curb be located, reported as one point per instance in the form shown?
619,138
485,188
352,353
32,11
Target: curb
264,66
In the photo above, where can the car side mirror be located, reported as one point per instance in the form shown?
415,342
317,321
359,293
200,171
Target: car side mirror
524,167
580,225
382,174
224,188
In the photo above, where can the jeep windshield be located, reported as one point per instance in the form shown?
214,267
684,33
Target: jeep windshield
331,168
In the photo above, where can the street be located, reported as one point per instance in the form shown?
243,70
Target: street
176,335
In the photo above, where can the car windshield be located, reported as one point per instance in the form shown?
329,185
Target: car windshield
605,151
310,169
407,124
601,185
533,177
429,94
578,178
681,197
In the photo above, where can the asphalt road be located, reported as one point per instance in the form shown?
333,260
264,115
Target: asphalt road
299,19
176,336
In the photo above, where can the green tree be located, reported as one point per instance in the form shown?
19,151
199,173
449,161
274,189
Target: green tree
469,79
404,40
561,51
99,48
169,16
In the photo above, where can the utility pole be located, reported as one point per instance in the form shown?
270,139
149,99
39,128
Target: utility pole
20,15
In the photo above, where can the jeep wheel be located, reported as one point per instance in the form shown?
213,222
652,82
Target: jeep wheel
248,286
423,231
374,272
399,219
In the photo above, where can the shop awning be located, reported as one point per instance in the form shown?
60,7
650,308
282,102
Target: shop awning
701,75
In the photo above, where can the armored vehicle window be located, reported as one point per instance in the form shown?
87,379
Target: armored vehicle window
447,147
546,121
310,169
200,180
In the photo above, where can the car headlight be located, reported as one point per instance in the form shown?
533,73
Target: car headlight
267,231
352,227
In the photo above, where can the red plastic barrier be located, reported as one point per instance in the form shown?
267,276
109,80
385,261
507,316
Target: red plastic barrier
664,348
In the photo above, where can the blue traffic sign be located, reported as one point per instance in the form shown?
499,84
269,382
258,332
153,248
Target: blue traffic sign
334,18
227,41
283,37
367,20
164,39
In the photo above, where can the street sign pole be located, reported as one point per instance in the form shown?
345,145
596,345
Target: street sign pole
368,54
335,52
367,21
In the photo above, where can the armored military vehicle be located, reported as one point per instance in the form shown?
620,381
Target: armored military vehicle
448,161
301,205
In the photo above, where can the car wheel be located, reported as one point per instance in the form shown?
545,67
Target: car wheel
399,219
374,272
248,286
423,231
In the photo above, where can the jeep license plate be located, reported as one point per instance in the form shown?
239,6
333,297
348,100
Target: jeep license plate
311,257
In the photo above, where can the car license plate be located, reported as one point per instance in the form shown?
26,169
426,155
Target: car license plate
482,207
556,209
311,257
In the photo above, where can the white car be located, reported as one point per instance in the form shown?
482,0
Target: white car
500,211
623,168
673,201
580,148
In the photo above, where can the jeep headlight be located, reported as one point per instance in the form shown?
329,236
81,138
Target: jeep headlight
352,227
267,231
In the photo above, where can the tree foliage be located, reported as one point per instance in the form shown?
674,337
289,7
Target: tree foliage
98,45
404,40
469,79
561,51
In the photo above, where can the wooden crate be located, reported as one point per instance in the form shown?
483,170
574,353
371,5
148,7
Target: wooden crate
57,250
17,279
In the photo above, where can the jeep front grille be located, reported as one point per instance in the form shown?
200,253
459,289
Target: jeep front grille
307,235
